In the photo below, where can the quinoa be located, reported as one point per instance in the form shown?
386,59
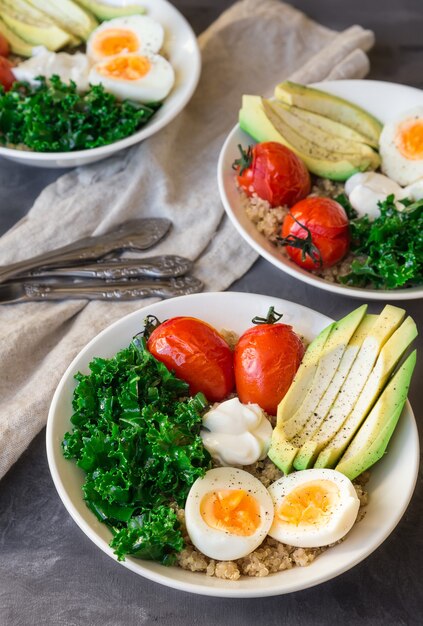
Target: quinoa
268,221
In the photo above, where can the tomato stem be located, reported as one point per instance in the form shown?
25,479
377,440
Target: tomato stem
244,162
151,322
306,244
271,318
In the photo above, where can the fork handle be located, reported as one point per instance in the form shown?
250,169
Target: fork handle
131,290
151,267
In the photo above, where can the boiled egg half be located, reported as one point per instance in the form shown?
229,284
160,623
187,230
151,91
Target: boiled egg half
142,77
228,513
131,34
401,147
313,508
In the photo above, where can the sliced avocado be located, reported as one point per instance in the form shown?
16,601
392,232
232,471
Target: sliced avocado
320,148
387,360
68,15
371,345
283,452
106,11
326,402
371,441
17,45
254,121
33,26
304,376
330,142
335,108
330,126
279,447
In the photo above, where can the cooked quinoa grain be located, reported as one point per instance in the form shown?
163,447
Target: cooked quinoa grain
268,221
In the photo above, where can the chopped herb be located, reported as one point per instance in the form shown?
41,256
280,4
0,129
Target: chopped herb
389,249
52,116
136,436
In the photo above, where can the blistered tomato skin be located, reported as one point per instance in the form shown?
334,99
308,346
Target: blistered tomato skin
329,227
276,174
266,359
7,77
196,352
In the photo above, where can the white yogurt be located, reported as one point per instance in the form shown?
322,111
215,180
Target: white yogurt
46,63
235,433
365,190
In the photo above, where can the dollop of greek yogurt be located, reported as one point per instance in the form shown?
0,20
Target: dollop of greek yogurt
235,433
46,63
366,189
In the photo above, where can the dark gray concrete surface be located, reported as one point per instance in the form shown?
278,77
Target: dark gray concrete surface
51,574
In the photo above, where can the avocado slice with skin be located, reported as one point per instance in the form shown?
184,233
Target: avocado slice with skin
326,402
33,26
331,106
17,45
68,15
108,12
282,451
370,442
387,360
330,126
303,377
254,121
371,345
321,137
279,447
320,150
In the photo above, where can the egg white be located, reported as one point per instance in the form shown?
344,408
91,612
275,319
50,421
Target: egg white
219,544
149,33
399,168
153,87
334,527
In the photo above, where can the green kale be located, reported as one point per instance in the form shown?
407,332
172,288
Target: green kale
52,116
389,249
136,436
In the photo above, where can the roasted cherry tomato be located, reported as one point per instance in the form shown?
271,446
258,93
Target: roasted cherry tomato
316,233
7,78
4,46
196,352
273,172
266,358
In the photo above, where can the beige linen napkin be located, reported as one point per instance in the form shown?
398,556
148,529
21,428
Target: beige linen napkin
250,48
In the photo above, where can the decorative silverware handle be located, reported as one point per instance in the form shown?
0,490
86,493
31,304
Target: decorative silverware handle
138,234
152,267
130,290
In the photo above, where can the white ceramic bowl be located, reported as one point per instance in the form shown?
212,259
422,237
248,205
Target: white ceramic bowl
182,51
390,487
385,101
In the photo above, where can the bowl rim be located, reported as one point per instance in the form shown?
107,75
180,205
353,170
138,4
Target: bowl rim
155,572
147,131
287,266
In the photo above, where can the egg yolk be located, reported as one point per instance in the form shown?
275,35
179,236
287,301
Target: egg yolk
114,41
231,510
309,503
409,139
126,67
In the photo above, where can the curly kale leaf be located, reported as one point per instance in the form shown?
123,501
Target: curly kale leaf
153,535
389,249
136,436
51,116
